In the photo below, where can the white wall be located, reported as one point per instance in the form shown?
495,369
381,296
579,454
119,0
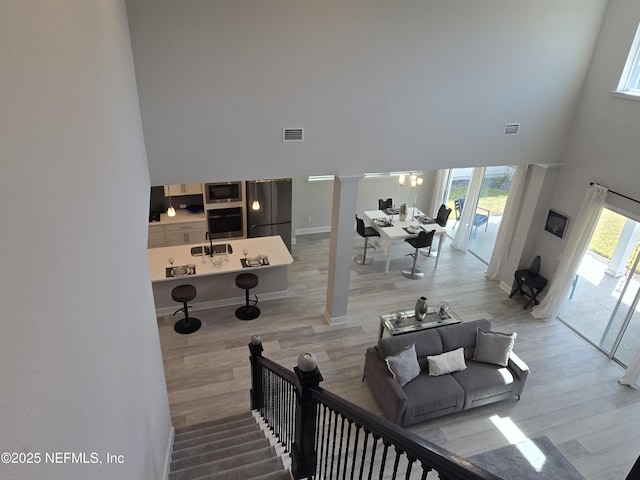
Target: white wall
81,362
604,145
378,86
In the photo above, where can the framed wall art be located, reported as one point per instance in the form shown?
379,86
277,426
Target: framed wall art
556,223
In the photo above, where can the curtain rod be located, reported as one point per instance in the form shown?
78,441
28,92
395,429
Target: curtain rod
616,193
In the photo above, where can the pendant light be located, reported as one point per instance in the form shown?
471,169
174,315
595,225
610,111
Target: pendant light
171,212
255,205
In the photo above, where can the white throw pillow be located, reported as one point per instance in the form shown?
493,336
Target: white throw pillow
404,365
446,362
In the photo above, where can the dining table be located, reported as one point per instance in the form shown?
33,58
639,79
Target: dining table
393,230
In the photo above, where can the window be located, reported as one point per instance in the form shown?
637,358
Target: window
629,84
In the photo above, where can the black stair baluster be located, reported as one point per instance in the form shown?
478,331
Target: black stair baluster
346,450
355,450
410,461
396,462
341,443
364,451
373,455
384,458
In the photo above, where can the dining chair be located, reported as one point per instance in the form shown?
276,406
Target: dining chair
480,217
443,215
383,204
365,232
423,240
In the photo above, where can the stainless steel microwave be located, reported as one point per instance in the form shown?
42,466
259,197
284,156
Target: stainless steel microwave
223,192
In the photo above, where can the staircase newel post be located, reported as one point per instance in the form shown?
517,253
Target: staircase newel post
303,451
257,395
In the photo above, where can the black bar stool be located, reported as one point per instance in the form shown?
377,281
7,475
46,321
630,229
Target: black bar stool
184,294
423,240
248,311
365,232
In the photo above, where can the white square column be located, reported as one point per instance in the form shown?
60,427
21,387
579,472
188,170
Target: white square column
345,197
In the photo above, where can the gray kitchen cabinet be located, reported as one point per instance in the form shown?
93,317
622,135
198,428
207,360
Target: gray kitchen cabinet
183,189
157,237
185,233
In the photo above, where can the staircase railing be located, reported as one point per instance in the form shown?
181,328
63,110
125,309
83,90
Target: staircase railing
329,437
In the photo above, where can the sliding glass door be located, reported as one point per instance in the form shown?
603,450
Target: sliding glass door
603,301
491,203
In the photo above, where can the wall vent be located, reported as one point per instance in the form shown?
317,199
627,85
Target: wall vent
511,129
293,134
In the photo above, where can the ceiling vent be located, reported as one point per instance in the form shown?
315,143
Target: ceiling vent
293,134
511,129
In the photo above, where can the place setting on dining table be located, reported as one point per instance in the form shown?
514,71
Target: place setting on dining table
408,222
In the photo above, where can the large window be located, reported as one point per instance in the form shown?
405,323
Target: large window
629,84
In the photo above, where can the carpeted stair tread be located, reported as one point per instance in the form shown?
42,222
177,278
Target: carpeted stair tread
213,437
217,428
219,454
281,475
210,446
218,421
247,472
225,464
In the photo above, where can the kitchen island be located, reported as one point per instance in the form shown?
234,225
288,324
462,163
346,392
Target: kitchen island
215,277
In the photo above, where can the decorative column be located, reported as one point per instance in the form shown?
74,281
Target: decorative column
628,238
345,198
257,395
303,450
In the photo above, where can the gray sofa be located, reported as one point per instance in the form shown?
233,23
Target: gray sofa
427,396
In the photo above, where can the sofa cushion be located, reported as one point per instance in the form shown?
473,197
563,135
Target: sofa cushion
427,343
483,380
404,365
462,335
432,396
493,347
446,362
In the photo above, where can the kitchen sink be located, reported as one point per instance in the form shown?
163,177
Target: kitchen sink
217,249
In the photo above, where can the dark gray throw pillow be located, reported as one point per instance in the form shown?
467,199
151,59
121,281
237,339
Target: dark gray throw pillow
494,347
404,365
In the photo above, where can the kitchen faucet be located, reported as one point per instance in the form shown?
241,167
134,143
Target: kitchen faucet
208,236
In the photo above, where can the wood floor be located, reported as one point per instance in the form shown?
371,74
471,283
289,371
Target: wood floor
572,394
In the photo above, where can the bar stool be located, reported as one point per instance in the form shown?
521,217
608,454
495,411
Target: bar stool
423,240
183,294
248,311
365,232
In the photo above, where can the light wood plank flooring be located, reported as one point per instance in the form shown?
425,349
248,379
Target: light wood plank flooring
572,394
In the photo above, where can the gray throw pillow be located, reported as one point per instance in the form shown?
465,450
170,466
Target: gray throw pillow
493,347
404,365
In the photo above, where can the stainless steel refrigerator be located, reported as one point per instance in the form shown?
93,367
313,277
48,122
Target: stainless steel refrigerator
274,216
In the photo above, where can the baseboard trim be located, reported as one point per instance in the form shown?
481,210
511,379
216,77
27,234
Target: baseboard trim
308,231
335,320
167,460
506,287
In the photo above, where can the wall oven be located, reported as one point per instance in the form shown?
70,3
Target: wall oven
225,222
223,192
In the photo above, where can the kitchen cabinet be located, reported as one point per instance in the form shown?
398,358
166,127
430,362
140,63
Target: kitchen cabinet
183,189
185,233
157,236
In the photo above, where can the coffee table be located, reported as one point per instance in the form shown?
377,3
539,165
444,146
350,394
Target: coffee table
390,324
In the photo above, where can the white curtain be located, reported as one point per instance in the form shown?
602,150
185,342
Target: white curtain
632,375
440,187
502,247
577,244
461,240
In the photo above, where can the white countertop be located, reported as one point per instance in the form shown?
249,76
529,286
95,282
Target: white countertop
273,247
182,216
